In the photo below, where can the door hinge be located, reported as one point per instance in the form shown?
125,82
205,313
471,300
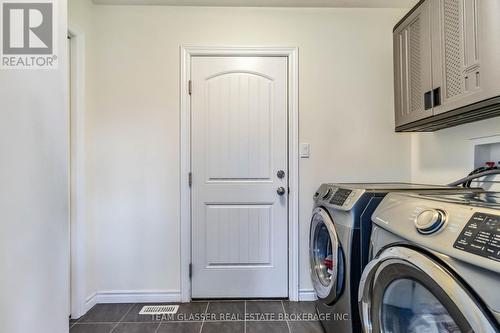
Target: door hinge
190,270
190,87
190,179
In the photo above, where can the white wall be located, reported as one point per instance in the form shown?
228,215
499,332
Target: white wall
34,223
346,103
447,155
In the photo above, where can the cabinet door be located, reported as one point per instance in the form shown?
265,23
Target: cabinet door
413,71
455,56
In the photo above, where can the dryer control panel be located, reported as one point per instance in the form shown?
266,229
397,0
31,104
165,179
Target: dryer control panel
481,236
340,196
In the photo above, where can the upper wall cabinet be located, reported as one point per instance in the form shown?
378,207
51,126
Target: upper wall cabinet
447,64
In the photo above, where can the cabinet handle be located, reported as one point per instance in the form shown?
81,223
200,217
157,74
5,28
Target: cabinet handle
428,100
436,96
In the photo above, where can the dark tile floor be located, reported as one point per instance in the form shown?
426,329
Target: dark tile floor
266,316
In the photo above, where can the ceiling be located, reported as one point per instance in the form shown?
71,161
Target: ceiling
268,3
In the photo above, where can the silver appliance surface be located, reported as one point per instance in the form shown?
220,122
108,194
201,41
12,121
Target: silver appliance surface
484,199
435,245
344,196
339,245
466,229
385,187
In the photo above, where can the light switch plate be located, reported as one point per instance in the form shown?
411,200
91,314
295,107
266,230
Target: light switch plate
305,150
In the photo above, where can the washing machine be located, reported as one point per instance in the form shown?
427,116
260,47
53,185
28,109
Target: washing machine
339,242
435,266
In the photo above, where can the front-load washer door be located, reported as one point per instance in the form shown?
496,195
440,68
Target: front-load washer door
405,291
326,257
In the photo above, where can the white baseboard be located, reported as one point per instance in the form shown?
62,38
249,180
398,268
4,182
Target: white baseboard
89,304
307,295
133,296
156,296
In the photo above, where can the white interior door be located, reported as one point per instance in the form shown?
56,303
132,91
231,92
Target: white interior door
239,144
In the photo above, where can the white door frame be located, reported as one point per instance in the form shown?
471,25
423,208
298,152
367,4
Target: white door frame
78,295
187,52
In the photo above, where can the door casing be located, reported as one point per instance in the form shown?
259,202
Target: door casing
186,54
78,298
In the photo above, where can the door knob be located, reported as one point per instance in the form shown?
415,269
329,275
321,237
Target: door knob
281,190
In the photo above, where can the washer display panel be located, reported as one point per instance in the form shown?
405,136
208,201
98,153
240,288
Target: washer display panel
408,306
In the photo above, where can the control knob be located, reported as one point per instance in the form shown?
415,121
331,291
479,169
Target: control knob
430,221
327,193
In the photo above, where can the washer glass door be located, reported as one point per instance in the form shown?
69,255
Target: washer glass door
325,256
404,290
408,306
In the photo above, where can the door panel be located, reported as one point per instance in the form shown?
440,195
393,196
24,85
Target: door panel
456,53
413,66
238,235
239,142
242,139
